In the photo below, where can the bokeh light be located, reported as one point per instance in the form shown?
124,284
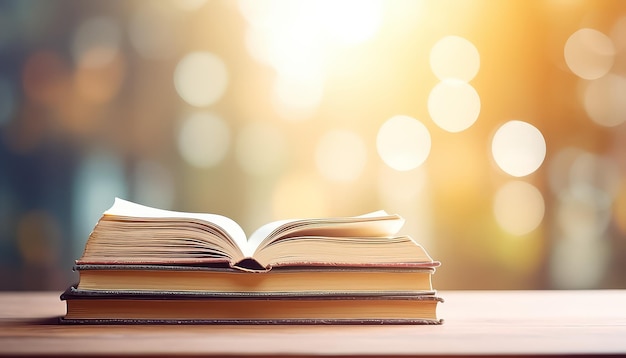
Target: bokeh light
518,148
96,42
454,105
100,84
403,143
589,53
341,156
203,139
519,207
287,36
604,100
560,168
352,21
264,110
201,78
454,57
261,149
618,34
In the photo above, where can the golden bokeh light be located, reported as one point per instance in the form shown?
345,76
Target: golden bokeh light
201,78
341,155
403,143
203,140
518,148
263,110
604,100
454,57
351,21
589,53
286,36
454,105
519,207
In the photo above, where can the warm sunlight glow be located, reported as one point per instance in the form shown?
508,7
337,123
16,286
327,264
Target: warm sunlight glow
403,143
604,100
454,105
454,57
298,38
261,149
401,187
341,156
201,78
203,140
518,207
299,195
351,21
589,53
518,148
190,5
296,100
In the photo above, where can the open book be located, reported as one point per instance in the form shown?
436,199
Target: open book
129,233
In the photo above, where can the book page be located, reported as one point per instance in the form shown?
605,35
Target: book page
123,207
378,223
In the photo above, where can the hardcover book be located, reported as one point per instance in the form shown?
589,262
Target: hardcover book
206,308
302,280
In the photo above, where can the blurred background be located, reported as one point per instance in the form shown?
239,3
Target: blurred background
494,127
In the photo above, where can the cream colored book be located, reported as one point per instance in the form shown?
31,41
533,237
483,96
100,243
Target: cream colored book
132,234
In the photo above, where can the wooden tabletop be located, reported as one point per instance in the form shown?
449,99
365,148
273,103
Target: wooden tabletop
516,323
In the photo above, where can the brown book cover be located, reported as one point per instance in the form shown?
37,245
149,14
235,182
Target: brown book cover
312,279
89,307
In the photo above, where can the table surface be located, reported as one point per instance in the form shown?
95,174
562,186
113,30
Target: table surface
517,323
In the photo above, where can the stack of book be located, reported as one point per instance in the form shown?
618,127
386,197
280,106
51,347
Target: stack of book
146,265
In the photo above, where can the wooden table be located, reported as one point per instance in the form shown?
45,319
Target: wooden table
515,323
